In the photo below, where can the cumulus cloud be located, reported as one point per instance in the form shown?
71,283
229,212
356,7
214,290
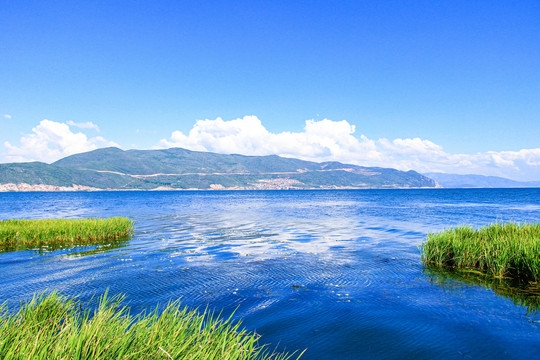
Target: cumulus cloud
321,140
84,125
7,116
328,140
50,141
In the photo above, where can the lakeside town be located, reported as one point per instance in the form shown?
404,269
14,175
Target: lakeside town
262,184
23,187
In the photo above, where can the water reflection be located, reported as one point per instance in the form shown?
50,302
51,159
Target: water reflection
99,248
74,250
521,294
266,234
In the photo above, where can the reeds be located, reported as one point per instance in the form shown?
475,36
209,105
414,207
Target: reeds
54,327
500,250
57,233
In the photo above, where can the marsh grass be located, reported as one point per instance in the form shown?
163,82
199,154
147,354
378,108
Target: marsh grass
59,233
527,295
499,250
51,326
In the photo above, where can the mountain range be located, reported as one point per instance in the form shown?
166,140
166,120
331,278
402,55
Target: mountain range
177,168
478,181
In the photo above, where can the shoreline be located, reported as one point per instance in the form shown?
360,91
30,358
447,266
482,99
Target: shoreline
24,187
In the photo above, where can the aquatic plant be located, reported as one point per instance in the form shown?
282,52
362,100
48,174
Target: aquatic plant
500,250
51,326
57,233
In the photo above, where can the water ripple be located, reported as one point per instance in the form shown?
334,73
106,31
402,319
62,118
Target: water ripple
336,272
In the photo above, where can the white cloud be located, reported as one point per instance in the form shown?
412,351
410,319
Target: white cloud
84,125
50,141
328,140
7,116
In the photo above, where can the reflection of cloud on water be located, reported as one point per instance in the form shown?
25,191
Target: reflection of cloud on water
528,207
259,235
261,306
458,205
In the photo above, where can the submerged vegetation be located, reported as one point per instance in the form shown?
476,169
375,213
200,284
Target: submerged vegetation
500,250
58,233
54,327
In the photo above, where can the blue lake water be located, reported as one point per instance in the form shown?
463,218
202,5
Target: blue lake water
335,272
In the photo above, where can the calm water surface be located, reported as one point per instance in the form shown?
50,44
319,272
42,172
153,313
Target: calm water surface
334,272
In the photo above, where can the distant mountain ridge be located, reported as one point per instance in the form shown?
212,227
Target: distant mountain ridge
478,181
177,168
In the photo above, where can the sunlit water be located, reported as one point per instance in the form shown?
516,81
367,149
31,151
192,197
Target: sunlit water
335,272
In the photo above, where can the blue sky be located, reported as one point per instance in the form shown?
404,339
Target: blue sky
461,75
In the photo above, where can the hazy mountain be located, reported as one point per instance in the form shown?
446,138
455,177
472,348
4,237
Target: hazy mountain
478,181
184,169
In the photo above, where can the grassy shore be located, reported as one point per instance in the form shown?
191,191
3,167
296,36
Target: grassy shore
57,233
500,250
54,327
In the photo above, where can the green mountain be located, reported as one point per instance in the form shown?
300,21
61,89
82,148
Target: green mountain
34,173
113,168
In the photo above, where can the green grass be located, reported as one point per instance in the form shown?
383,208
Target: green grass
57,233
499,250
54,327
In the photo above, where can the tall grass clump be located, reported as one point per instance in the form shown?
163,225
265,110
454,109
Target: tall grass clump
501,250
54,327
56,233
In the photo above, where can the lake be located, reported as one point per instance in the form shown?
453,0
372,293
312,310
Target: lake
335,272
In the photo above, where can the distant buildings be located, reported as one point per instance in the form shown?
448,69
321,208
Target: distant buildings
43,187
